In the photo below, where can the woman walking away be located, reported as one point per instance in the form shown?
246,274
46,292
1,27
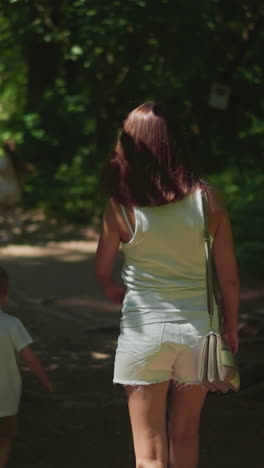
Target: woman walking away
155,212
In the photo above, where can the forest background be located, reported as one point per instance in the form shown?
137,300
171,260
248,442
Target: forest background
70,71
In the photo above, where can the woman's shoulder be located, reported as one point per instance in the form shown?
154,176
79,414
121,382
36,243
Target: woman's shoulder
214,196
115,216
114,207
110,209
113,210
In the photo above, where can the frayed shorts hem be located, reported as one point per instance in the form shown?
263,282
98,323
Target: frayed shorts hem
176,382
139,382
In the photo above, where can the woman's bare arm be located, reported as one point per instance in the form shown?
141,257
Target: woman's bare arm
106,254
227,273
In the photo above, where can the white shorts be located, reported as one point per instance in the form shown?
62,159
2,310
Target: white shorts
159,352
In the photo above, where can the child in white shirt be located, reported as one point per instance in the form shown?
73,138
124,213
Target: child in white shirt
14,338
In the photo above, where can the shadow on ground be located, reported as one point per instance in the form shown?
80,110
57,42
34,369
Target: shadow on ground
85,423
34,228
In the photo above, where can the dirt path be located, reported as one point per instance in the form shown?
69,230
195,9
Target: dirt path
85,423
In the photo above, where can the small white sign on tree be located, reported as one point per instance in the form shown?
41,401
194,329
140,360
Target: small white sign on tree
219,96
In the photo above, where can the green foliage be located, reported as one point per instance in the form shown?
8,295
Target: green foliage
112,55
70,70
70,192
244,195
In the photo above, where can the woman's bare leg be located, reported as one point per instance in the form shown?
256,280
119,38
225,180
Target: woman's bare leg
186,403
147,409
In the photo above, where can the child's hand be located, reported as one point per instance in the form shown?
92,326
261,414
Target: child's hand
33,362
115,292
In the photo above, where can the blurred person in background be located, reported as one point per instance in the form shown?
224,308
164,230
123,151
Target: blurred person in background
12,173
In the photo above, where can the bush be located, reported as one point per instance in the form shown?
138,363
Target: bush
244,195
71,192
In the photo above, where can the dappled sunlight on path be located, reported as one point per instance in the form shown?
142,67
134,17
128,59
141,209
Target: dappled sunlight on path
35,228
54,292
51,248
85,423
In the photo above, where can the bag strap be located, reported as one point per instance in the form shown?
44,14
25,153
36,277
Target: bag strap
208,258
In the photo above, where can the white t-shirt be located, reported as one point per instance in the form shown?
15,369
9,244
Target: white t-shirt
13,338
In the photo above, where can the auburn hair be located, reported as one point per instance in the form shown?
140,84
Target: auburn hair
146,167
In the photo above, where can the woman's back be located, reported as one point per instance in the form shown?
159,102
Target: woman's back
167,247
164,268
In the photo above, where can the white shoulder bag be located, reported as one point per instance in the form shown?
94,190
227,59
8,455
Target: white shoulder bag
217,368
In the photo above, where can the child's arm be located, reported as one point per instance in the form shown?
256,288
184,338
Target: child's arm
33,362
106,254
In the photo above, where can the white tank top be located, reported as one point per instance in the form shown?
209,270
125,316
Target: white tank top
164,266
